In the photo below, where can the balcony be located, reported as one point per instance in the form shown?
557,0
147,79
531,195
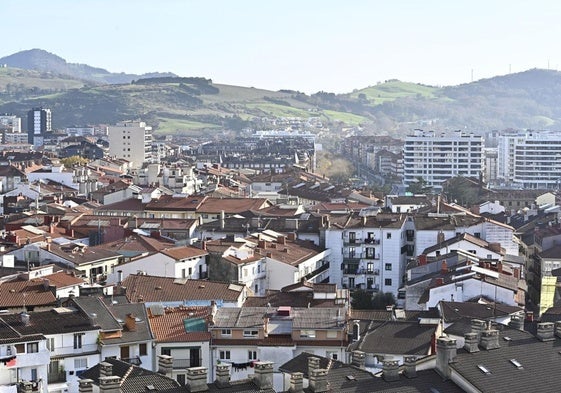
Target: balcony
359,271
186,363
58,377
316,272
372,241
352,257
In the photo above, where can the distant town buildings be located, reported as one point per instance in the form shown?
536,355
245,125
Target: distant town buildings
39,123
131,141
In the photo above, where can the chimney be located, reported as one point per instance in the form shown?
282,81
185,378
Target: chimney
281,240
222,219
489,339
471,343
296,383
445,354
262,244
410,366
558,329
196,379
105,369
313,364
222,375
110,384
390,370
24,318
440,237
291,236
545,331
444,267
26,386
85,386
130,322
119,277
477,326
516,322
165,365
318,381
516,272
263,375
359,359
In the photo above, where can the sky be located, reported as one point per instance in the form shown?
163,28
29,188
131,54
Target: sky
304,45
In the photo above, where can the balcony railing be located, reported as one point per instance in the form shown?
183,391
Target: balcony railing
322,268
357,271
56,377
372,241
186,363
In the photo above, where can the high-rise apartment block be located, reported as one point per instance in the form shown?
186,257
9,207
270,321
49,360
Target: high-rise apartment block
436,157
530,159
38,124
10,123
131,141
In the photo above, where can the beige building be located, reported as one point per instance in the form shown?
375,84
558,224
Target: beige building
131,141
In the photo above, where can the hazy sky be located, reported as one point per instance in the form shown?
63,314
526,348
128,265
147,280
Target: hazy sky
306,45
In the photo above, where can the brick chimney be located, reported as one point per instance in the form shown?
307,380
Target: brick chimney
313,364
222,375
445,354
110,384
545,331
410,366
296,383
196,379
390,370
489,339
85,386
263,375
318,381
262,244
358,359
444,267
130,322
471,343
105,369
165,365
291,236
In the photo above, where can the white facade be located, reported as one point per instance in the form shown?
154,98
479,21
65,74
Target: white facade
11,123
131,141
31,364
280,274
470,289
531,159
439,157
54,173
480,252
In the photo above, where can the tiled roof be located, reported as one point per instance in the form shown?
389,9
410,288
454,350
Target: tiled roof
55,321
94,306
136,245
538,360
462,236
62,279
184,252
300,364
171,203
130,205
232,205
23,292
396,338
170,326
147,288
83,255
135,379
295,299
453,311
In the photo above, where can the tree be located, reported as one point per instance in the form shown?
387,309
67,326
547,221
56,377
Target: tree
420,186
361,300
459,190
383,299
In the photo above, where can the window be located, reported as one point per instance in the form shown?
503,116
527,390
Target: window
388,266
370,252
183,273
388,235
252,355
20,348
225,355
331,354
388,281
332,334
78,340
477,235
308,333
226,332
256,288
142,349
51,344
165,351
80,363
34,374
32,347
250,333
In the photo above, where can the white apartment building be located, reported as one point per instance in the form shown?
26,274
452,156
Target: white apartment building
10,123
436,157
530,159
131,141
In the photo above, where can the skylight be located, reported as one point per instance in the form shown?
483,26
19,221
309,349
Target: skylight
516,363
483,369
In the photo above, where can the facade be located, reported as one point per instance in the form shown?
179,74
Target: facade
438,157
530,160
131,141
38,124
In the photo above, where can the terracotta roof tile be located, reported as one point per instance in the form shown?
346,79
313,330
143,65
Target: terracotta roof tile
185,252
170,326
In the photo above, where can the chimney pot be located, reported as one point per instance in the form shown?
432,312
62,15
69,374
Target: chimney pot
313,364
358,359
390,370
471,343
445,353
263,375
490,339
85,386
545,331
222,375
318,381
196,379
410,366
296,383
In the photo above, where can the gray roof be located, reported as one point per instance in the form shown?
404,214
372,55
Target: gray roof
234,317
396,338
454,311
95,306
142,331
539,360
